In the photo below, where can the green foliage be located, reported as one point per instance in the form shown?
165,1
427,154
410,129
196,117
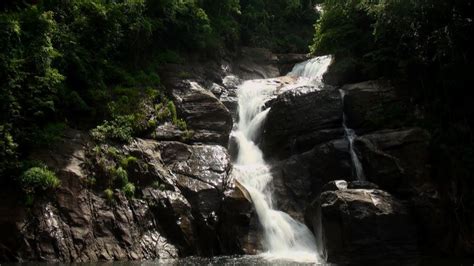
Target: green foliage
118,129
109,194
37,179
281,25
181,124
173,113
129,190
121,176
48,135
127,161
8,151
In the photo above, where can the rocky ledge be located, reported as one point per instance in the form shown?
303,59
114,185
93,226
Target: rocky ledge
358,223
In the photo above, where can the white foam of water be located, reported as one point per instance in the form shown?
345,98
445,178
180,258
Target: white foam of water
284,237
312,70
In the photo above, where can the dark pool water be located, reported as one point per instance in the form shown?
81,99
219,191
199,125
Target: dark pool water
244,260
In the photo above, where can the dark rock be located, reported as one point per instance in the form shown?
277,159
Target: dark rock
286,62
78,224
206,163
256,63
149,167
168,132
373,105
344,71
363,226
396,160
175,218
229,94
240,230
208,119
359,184
300,119
300,178
81,226
202,173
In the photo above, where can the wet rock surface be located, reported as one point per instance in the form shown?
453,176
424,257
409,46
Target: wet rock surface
208,119
374,105
300,178
78,223
363,225
396,160
301,118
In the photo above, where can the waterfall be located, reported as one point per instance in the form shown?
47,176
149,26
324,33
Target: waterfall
313,69
284,237
351,135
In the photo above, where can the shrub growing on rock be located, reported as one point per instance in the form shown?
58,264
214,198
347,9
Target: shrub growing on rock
38,179
109,194
129,190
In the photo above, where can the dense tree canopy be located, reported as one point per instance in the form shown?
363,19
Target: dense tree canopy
80,62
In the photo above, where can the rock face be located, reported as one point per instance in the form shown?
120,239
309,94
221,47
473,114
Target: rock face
184,217
301,118
299,179
240,229
363,226
256,63
396,160
373,105
208,119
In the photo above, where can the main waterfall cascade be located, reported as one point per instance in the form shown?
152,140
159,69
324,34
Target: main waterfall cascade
284,237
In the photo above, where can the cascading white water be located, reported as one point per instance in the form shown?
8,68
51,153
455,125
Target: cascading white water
351,135
313,69
285,238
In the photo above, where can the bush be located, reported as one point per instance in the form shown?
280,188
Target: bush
173,113
109,194
38,179
181,124
121,176
127,161
119,129
129,190
48,135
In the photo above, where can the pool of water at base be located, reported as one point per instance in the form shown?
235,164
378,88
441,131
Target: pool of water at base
244,260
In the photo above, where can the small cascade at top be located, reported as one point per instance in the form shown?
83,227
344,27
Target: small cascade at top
312,70
351,135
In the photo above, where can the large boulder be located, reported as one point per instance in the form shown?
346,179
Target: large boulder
301,118
227,93
202,176
361,226
207,118
255,63
240,231
176,220
300,178
344,71
373,105
396,160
